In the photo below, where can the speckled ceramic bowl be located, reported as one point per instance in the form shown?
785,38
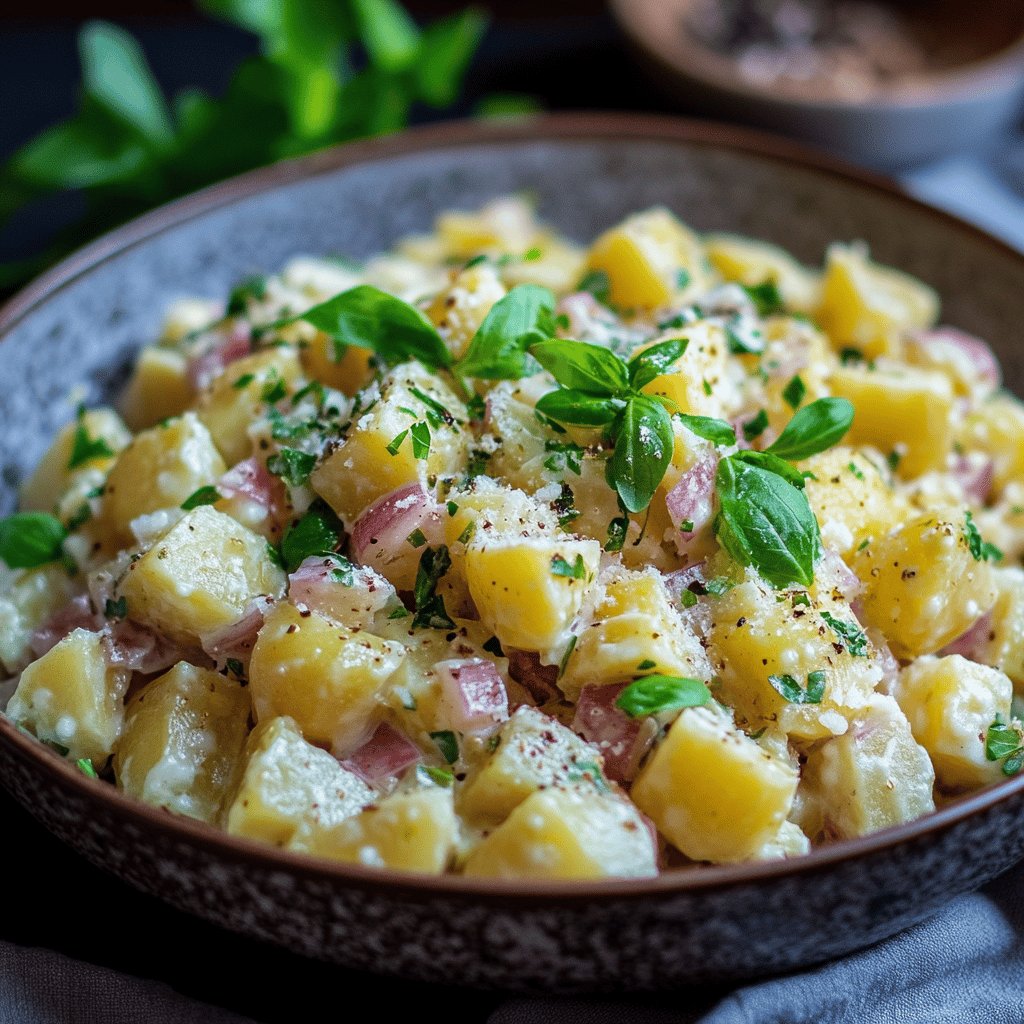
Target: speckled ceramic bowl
83,321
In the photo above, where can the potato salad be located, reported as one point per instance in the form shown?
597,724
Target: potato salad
509,557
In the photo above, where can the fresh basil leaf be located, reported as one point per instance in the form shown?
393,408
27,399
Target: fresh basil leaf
794,392
318,532
567,405
115,74
446,48
655,361
430,609
28,539
292,466
420,434
773,464
711,429
583,367
499,349
653,694
644,442
203,496
370,318
388,33
814,428
766,522
766,297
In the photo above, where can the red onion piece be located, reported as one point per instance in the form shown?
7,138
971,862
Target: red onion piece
76,614
385,754
138,649
610,729
252,481
975,351
473,694
381,534
977,477
204,369
237,640
352,600
972,644
692,500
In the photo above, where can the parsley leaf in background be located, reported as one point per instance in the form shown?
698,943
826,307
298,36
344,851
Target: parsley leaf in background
325,73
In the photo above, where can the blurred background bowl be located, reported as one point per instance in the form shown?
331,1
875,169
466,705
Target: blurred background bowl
723,56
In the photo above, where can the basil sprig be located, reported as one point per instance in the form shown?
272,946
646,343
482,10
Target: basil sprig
653,694
765,521
318,532
1004,743
30,539
597,388
814,428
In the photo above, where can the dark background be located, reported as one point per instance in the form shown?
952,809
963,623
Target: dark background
566,54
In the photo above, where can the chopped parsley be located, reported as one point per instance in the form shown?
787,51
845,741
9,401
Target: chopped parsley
85,448
575,570
849,633
791,690
981,550
204,496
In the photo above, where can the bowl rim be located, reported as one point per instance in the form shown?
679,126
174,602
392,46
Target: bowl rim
572,127
685,57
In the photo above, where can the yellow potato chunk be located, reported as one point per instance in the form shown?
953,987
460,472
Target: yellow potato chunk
533,752
751,262
923,587
348,370
159,388
328,678
633,630
407,831
290,790
199,576
873,776
697,384
951,702
54,474
182,741
528,590
32,597
712,791
758,633
558,265
790,841
458,311
378,454
1003,646
238,396
505,225
852,497
161,468
72,697
996,427
869,306
904,411
651,259
568,833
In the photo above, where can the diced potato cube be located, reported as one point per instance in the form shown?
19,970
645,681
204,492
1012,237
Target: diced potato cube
528,590
505,225
236,398
72,697
698,383
54,474
996,427
415,831
758,633
378,455
1003,648
182,741
574,832
32,597
634,629
533,752
868,306
459,311
161,468
290,791
923,587
902,411
790,842
751,262
652,259
329,679
559,266
712,791
951,702
873,776
349,369
852,497
199,576
159,388
185,316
